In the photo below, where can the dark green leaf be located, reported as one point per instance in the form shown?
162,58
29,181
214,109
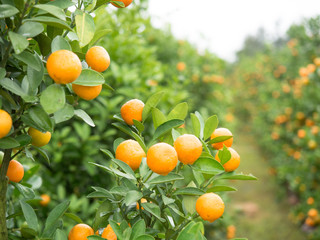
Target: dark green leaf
53,98
138,229
29,215
189,191
195,125
166,127
179,112
59,43
29,59
240,176
132,197
85,28
219,139
224,155
8,142
53,10
35,77
208,165
98,35
60,235
168,178
84,116
116,228
12,86
19,42
23,139
144,237
89,77
62,3
27,192
138,125
125,167
157,117
107,152
152,102
7,10
51,21
31,29
153,209
221,189
42,153
64,114
74,217
210,125
41,118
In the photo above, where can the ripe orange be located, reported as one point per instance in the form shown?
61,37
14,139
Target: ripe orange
131,153
313,213
132,110
80,232
15,171
210,207
98,58
222,132
231,230
233,163
45,200
301,133
310,200
188,147
126,3
310,222
108,233
303,72
5,123
162,158
317,62
181,66
143,200
64,66
87,92
39,139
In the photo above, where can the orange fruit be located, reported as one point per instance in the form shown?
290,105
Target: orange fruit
5,123
310,222
39,139
317,62
64,66
162,158
126,3
310,200
313,213
132,110
222,132
87,92
15,171
233,163
181,66
301,133
108,233
303,72
45,200
131,153
188,147
98,58
80,232
210,207
143,200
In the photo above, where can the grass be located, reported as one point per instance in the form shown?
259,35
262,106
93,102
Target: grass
260,215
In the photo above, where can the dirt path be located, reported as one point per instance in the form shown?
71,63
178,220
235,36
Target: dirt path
260,214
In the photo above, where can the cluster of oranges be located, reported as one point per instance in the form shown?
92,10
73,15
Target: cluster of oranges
313,218
65,67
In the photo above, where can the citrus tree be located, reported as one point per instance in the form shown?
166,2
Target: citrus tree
166,184
49,59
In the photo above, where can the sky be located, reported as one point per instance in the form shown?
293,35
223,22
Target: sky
222,26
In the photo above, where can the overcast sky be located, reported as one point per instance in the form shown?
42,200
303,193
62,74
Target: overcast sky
223,25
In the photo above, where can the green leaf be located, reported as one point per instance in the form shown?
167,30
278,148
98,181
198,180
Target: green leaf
219,139
240,176
85,28
29,215
124,128
179,112
152,102
29,59
221,189
118,3
51,21
132,197
224,155
59,43
200,118
84,116
116,228
166,127
98,35
210,125
175,134
62,3
44,43
189,191
19,42
40,118
107,152
23,139
7,10
54,216
2,73
89,77
125,167
42,153
73,217
195,125
64,114
138,125
53,98
189,203
53,10
168,178
93,237
60,235
8,142
31,29
144,237
27,192
35,77
91,6
138,229
12,86
115,171
102,214
208,165
153,209
157,117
